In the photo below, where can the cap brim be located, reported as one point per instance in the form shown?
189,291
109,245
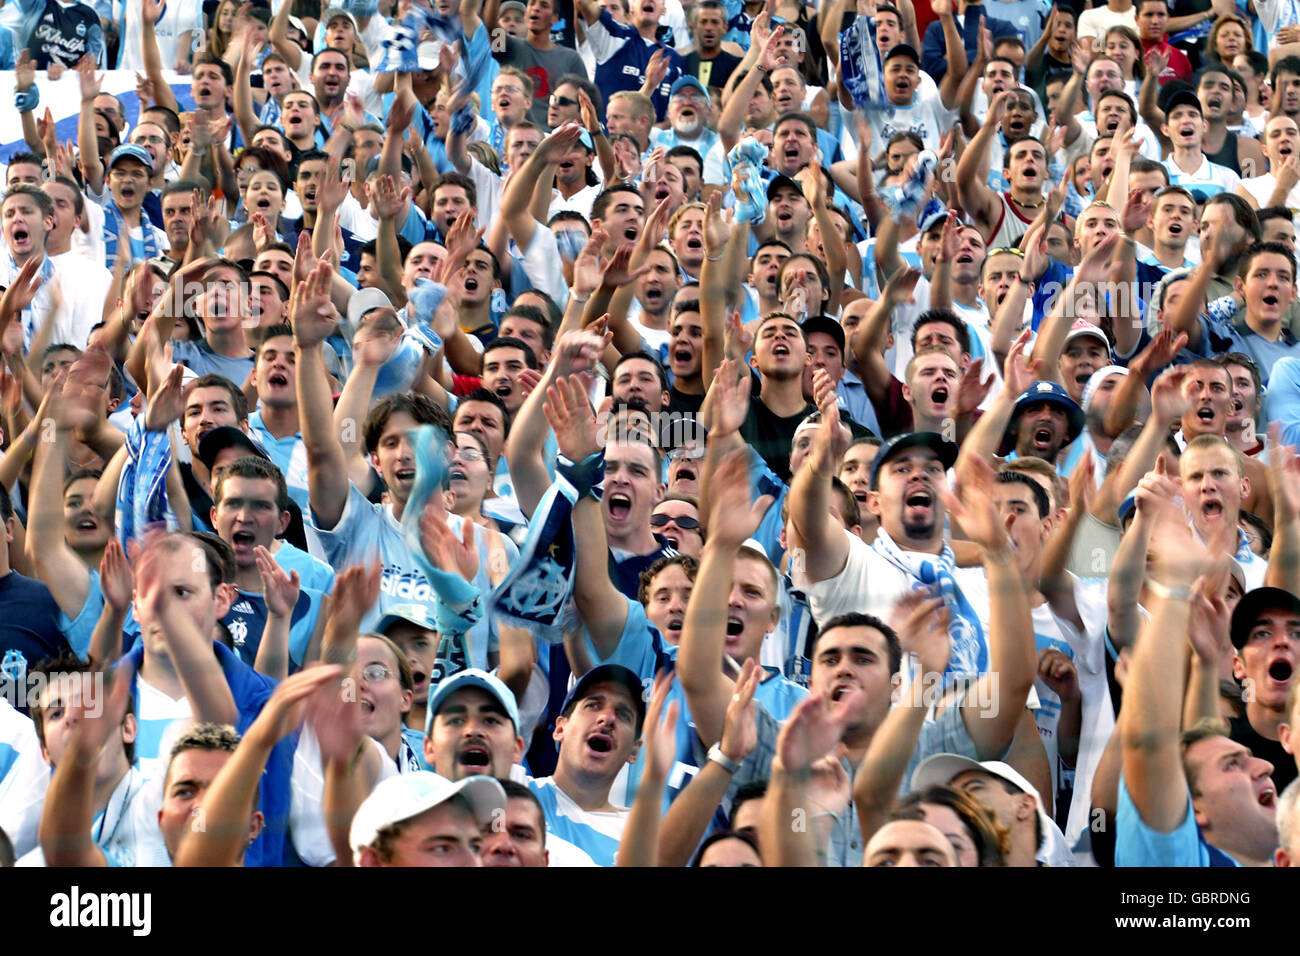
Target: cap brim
939,770
1253,603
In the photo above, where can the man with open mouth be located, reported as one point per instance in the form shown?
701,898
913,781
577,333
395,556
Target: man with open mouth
1266,636
536,53
688,118
1238,153
1043,421
1185,129
1281,142
624,51
1002,218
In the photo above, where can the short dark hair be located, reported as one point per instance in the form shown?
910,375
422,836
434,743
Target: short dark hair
255,468
858,619
748,839
419,406
461,180
944,317
517,791
1242,211
510,342
584,84
72,664
204,58
238,401
533,314
284,293
798,116
645,357
1020,478
78,200
1272,212
331,49
1141,164
481,394
43,202
601,203
1266,248
689,152
308,156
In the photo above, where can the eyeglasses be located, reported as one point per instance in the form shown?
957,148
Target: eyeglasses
469,454
563,101
516,90
682,521
1010,250
374,673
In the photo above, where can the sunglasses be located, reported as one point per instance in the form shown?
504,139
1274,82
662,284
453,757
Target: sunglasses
684,523
1012,250
563,101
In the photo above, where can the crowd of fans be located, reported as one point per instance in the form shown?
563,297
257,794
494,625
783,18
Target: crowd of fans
629,433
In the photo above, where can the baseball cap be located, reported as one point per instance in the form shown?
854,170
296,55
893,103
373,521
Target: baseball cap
779,181
512,5
426,54
1183,97
685,80
130,151
1126,508
366,300
933,219
823,323
408,795
945,449
333,13
228,436
1051,392
604,674
417,614
904,49
473,677
1254,603
1082,328
939,771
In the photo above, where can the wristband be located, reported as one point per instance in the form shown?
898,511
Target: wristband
25,101
1180,592
715,258
722,760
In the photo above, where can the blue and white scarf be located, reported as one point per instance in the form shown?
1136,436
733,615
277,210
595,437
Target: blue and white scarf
970,654
142,490
400,50
534,592
459,605
862,70
113,228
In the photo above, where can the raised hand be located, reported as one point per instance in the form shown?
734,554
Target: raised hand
84,390
656,70
90,85
314,318
1096,264
1169,398
731,387
899,288
740,723
279,588
1137,210
288,703
771,56
448,552
115,578
1156,61
659,734
166,401
972,507
590,118
553,148
1080,56
736,342
25,72
356,589
732,517
972,389
716,232
1283,476
401,112
21,291
388,201
578,352
462,237
618,272
920,619
571,418
813,729
333,188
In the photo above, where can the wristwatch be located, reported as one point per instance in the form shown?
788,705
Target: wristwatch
722,760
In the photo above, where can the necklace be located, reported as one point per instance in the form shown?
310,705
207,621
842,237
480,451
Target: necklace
1025,205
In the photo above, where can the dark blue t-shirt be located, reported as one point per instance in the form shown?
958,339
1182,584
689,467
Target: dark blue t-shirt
29,629
66,33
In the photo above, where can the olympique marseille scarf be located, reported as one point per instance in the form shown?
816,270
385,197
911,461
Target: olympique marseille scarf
860,64
970,653
113,229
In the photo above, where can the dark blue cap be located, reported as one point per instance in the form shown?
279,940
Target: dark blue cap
946,450
608,673
1054,393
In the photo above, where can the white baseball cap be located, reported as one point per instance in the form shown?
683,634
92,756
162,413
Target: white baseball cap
365,300
409,794
940,770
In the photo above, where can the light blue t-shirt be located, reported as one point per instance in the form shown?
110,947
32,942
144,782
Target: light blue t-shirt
1136,844
366,529
199,358
289,454
312,572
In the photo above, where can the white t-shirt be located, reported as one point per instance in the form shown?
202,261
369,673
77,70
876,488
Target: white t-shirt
1095,22
24,778
1261,190
83,286
925,115
178,17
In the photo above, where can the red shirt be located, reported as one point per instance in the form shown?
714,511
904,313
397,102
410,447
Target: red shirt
1179,68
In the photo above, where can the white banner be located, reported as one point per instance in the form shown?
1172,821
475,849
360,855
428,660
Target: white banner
63,97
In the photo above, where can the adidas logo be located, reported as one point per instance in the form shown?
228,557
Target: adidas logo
243,607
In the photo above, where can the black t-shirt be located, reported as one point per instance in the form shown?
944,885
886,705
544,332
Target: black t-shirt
679,403
1284,770
712,73
65,33
771,435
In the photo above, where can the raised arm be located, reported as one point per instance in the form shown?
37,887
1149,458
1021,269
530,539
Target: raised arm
313,321
1013,657
519,190
732,520
279,37
639,845
67,817
92,166
1151,719
869,337
150,11
955,54
1284,481
1088,278
245,115
822,537
980,201
231,821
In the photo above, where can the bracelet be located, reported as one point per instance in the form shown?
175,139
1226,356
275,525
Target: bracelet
760,69
715,258
1028,282
577,298
1180,592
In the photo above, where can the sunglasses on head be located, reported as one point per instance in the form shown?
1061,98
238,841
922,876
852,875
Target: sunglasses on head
1008,249
684,522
